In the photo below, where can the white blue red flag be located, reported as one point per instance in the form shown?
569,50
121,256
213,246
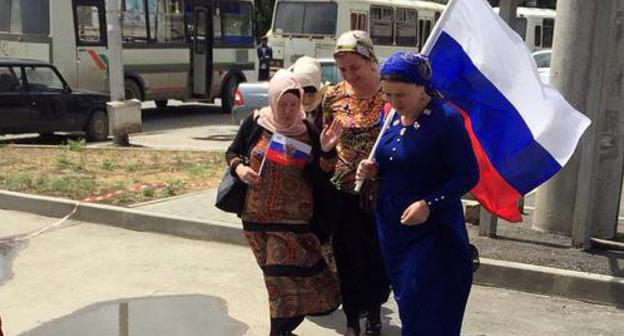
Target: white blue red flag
522,131
287,151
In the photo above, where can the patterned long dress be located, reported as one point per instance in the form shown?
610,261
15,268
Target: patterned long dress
276,220
363,282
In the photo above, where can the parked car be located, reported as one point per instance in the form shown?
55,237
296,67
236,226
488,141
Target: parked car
253,96
542,60
35,98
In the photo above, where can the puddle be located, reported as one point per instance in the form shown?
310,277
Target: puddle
151,316
6,255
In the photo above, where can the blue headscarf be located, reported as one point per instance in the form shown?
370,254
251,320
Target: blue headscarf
413,67
410,65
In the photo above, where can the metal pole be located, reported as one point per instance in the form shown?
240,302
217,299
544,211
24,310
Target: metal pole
487,222
115,60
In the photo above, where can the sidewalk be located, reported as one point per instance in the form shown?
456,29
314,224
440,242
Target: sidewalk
515,242
77,279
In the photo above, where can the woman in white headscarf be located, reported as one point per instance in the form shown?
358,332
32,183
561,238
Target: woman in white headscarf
279,204
307,70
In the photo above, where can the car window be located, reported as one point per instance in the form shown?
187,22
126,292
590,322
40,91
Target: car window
10,79
43,79
542,60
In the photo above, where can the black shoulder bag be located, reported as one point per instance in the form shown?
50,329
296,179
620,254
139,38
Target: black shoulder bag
231,193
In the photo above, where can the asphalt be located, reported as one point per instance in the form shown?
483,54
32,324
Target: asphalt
80,278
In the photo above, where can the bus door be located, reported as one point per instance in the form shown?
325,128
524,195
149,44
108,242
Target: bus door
91,45
201,47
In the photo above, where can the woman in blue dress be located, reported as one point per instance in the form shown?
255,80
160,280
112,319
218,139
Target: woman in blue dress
425,164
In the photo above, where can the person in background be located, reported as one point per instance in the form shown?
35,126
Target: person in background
307,70
265,55
357,102
425,164
280,200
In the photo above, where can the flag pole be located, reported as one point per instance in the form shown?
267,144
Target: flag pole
425,50
371,156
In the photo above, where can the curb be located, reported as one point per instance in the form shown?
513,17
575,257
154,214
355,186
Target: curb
590,287
595,288
123,217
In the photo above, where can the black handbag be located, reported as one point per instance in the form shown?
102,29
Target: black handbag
231,193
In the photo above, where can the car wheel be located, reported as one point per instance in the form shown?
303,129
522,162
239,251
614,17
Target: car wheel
161,103
132,90
227,94
97,128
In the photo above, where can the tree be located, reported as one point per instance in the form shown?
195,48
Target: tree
264,14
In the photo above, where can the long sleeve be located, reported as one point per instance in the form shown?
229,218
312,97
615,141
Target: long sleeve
458,156
237,151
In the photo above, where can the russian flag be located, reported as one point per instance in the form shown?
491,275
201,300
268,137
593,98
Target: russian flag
522,131
286,151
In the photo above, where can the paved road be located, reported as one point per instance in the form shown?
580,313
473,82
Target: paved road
173,283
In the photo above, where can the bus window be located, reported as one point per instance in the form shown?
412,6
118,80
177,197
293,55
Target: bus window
358,22
236,23
436,16
5,18
304,18
382,25
521,27
424,29
20,15
406,27
88,25
319,19
538,36
200,31
133,21
549,27
363,24
166,20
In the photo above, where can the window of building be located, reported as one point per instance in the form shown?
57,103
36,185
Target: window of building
406,27
382,25
538,36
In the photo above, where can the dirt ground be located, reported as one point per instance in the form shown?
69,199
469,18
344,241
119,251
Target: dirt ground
111,176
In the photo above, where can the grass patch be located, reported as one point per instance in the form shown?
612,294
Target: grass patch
75,172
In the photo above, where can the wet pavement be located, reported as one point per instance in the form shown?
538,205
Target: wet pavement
190,315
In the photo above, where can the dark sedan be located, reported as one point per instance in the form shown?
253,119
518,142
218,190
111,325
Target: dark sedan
35,98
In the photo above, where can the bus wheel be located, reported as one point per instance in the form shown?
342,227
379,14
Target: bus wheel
132,90
161,103
227,94
97,128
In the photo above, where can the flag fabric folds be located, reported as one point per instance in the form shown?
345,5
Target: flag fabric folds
522,131
286,151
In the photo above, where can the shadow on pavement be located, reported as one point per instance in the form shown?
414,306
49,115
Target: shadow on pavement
337,322
156,316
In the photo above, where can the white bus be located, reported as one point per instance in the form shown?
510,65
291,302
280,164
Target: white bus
310,27
180,49
535,26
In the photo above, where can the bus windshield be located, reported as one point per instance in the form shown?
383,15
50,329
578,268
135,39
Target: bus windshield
305,18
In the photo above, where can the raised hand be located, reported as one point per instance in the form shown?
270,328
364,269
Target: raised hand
330,135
